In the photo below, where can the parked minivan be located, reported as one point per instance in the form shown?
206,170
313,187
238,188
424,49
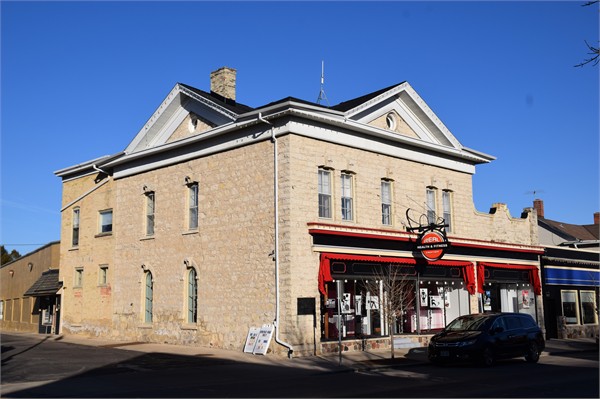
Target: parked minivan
486,337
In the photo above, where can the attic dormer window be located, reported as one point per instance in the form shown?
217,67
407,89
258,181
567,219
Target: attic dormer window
390,121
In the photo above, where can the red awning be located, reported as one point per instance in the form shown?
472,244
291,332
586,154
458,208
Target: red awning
534,277
325,266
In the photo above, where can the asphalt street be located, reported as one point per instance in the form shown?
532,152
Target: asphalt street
37,366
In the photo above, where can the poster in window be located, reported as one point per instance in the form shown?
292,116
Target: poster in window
487,300
358,304
525,295
435,302
47,316
424,296
372,302
346,304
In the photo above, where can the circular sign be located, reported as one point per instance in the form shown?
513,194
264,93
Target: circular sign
432,245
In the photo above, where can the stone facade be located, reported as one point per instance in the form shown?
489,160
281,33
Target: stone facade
233,249
87,304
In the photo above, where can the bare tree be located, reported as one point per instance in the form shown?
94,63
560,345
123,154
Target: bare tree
398,296
594,52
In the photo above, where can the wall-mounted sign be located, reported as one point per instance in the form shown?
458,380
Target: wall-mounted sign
432,244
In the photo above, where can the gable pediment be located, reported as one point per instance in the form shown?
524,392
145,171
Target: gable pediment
185,112
401,110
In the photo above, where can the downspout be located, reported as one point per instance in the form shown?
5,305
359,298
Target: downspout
100,170
276,222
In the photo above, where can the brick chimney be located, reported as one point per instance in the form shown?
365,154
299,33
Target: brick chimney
596,217
538,205
222,82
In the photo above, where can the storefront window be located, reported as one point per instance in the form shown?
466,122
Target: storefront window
569,306
403,304
589,308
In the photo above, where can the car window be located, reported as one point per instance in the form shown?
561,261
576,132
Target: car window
467,323
499,323
527,322
512,322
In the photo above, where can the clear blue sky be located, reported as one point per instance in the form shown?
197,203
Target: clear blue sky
79,79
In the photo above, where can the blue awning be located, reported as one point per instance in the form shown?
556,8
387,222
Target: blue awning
561,275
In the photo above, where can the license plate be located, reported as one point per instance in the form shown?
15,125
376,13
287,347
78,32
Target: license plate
444,353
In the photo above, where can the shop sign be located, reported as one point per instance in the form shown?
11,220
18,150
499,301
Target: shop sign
432,244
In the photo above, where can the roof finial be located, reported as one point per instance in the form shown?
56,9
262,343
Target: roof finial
322,95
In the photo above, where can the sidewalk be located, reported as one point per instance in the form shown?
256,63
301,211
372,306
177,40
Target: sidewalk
361,360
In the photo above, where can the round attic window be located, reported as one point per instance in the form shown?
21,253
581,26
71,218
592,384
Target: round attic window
390,121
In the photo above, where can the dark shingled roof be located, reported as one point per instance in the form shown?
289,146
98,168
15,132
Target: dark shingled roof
227,103
239,109
572,232
347,105
47,284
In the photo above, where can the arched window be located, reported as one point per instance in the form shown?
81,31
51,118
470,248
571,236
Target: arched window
149,298
192,294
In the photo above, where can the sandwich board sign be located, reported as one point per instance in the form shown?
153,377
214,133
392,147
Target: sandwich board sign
251,339
263,340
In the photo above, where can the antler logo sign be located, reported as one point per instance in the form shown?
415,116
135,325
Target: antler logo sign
432,245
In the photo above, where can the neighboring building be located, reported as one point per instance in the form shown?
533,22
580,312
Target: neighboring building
219,217
29,292
571,276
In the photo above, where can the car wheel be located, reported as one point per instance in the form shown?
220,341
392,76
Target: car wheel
533,352
488,357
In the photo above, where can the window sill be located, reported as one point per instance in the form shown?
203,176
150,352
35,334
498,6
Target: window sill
190,232
147,238
145,326
74,249
188,326
103,234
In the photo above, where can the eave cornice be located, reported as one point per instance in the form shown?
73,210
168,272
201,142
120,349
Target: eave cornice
399,235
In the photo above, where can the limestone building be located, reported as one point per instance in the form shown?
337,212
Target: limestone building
219,217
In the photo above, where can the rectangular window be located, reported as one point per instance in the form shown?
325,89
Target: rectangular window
588,307
103,275
150,207
569,306
106,221
324,193
75,233
78,277
386,202
447,209
193,206
1,310
347,207
431,205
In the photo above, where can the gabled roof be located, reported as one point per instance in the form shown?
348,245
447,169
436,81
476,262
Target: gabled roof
421,131
47,284
571,232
